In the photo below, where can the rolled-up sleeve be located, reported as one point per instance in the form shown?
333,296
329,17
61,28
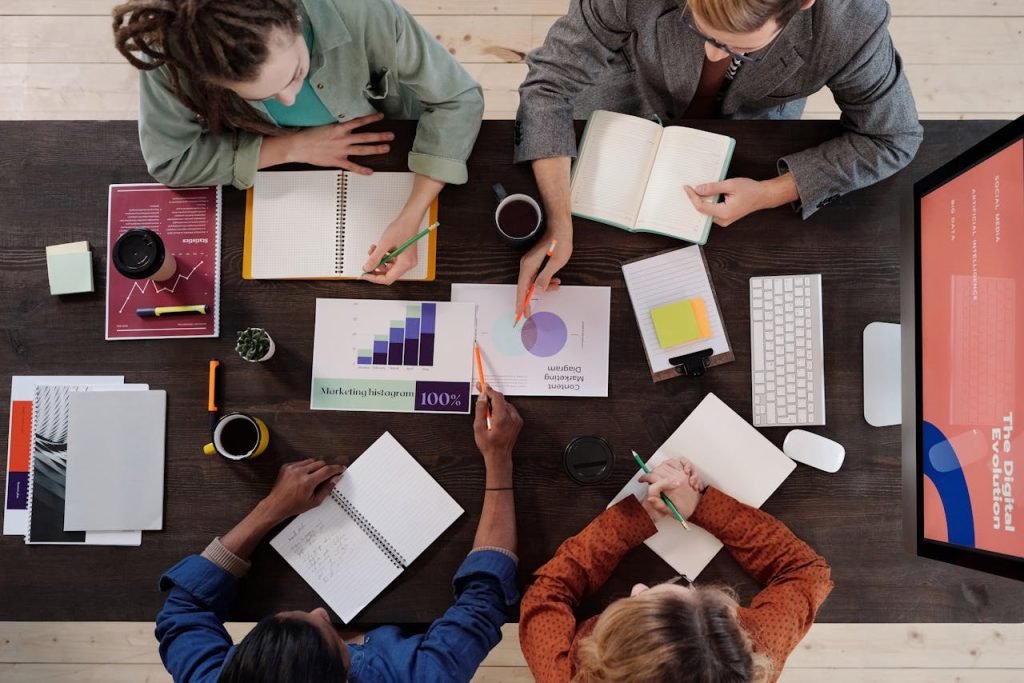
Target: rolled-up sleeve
179,151
882,129
453,103
190,628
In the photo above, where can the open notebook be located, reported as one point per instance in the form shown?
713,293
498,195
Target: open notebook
319,225
382,515
662,279
630,174
730,455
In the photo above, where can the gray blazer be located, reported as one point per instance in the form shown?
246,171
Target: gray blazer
638,57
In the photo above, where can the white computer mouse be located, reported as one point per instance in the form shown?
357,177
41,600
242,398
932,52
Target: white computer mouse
814,450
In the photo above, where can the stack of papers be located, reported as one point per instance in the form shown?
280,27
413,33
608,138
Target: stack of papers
85,460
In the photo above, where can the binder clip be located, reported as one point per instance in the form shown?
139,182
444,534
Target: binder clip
692,364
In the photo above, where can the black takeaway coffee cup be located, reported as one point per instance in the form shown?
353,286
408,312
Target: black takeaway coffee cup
139,254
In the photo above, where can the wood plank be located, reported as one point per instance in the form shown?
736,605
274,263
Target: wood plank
827,646
155,673
900,675
109,91
480,39
913,8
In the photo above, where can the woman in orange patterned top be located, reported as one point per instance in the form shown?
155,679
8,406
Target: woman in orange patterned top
670,633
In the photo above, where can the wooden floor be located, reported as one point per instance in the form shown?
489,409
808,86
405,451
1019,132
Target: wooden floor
964,58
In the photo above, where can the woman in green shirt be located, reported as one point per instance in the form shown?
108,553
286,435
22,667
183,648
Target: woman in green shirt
231,86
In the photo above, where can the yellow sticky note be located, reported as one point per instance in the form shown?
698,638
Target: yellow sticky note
681,322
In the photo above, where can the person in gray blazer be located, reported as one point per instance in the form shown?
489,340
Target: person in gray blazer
736,59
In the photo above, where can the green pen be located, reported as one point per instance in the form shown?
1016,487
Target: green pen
665,498
408,243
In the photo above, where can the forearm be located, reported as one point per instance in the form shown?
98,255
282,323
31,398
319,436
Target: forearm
424,192
552,176
247,534
780,191
276,150
497,528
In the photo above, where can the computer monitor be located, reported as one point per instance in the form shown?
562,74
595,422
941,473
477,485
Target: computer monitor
963,370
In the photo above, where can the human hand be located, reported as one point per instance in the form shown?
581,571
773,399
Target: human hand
333,144
741,196
400,231
301,486
529,264
497,442
678,480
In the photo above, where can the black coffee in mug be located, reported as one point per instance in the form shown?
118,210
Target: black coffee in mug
239,437
517,218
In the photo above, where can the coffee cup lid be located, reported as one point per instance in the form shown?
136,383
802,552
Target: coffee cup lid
138,253
588,459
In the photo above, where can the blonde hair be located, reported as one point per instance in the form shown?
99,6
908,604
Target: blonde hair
664,637
743,16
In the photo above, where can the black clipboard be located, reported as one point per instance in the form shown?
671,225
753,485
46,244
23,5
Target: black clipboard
694,363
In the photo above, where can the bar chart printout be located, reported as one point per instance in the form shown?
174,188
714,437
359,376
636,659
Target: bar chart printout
392,356
408,342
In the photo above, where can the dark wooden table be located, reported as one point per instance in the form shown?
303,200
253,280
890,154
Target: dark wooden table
53,189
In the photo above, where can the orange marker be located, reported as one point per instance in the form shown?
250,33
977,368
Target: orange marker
211,401
543,265
483,382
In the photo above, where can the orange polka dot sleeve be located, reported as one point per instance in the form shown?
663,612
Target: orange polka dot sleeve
547,625
796,579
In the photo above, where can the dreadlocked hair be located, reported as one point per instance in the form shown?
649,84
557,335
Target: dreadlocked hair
204,43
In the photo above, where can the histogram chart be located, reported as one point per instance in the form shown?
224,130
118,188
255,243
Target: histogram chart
408,342
394,356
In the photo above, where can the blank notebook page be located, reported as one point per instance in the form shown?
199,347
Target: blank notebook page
371,203
295,224
666,278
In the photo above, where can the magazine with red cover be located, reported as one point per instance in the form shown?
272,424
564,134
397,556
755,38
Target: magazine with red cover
187,219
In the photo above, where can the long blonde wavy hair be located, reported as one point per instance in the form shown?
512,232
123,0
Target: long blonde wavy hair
664,637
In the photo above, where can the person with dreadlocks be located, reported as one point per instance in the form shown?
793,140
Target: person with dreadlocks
231,86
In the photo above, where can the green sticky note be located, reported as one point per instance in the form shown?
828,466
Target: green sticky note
677,323
70,273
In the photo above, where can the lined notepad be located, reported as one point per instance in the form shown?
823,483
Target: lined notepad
667,278
321,224
382,515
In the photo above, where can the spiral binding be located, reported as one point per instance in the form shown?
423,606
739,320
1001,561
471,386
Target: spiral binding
370,530
339,240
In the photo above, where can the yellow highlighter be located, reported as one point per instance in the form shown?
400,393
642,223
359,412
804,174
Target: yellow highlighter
201,309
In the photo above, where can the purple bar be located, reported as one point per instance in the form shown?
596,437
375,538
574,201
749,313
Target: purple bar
442,397
365,360
380,346
17,491
395,347
412,328
380,358
428,315
427,349
412,352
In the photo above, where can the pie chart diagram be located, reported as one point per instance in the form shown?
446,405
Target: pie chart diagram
544,334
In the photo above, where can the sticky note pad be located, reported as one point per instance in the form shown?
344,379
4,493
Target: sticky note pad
69,271
681,322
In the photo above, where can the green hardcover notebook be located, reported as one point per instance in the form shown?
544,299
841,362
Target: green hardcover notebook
630,174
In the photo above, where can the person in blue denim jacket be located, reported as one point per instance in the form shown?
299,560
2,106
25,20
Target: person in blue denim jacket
303,647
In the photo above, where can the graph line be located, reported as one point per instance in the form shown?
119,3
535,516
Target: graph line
157,288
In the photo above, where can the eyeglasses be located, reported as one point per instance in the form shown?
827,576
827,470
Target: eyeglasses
728,50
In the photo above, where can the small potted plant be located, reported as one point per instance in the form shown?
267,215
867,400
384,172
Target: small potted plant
254,345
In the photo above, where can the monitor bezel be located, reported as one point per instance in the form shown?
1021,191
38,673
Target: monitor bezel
972,558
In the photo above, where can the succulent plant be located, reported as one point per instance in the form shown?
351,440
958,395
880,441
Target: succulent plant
253,343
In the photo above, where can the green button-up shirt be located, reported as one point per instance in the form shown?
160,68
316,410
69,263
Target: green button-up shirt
369,55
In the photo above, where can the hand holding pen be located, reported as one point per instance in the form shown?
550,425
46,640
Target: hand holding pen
537,269
674,488
495,443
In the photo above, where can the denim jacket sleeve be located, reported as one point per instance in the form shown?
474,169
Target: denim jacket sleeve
177,148
190,628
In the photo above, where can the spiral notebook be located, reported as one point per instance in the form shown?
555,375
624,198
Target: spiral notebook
320,225
380,517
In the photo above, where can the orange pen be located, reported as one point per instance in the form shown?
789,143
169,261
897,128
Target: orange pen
211,401
483,382
533,285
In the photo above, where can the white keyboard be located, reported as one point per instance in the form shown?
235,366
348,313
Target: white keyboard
786,350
